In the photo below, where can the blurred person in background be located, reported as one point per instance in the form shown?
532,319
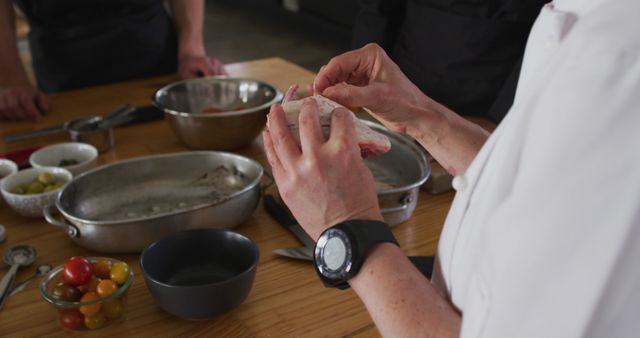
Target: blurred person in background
77,43
464,54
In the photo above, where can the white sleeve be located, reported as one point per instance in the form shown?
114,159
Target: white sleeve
577,197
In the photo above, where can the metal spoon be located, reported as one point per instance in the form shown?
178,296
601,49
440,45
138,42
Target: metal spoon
41,270
16,256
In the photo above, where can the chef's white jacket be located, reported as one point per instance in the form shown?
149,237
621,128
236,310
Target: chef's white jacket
543,237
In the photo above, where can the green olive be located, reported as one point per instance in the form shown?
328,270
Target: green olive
35,187
51,187
17,190
46,178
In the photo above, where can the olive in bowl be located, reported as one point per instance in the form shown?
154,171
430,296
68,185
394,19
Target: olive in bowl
29,191
77,157
88,293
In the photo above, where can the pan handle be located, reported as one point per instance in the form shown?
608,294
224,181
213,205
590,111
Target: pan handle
269,183
34,133
71,229
406,201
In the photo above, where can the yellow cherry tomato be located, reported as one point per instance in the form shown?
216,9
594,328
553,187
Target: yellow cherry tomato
113,308
95,321
120,272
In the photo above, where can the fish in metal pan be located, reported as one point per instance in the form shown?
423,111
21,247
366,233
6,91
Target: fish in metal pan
152,199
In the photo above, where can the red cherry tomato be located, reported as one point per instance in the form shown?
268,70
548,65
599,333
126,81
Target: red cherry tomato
71,318
66,292
92,285
77,271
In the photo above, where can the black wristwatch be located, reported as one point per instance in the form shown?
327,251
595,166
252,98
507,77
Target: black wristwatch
341,249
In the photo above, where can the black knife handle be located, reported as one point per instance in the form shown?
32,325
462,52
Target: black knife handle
277,211
144,114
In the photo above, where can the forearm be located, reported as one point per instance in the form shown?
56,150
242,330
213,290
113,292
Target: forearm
401,301
12,72
189,19
451,139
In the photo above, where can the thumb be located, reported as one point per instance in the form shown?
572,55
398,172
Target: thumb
43,102
350,95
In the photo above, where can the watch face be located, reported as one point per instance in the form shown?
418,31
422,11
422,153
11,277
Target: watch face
333,254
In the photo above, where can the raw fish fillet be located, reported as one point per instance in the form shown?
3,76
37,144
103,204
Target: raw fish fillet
371,142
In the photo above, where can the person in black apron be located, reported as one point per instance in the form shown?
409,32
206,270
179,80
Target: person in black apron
76,43
465,54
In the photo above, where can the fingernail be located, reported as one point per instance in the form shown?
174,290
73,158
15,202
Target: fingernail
338,113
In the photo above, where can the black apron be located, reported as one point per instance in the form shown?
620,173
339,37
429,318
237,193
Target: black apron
464,54
79,43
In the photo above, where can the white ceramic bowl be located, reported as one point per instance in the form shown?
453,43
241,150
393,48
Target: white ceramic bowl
7,167
31,205
51,156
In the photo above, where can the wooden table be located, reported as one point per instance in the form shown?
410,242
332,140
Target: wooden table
287,298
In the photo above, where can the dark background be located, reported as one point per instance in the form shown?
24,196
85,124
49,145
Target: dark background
240,30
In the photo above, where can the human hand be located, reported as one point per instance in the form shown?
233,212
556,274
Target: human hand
196,66
322,182
22,103
367,77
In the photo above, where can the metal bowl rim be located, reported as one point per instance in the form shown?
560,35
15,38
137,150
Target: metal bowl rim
75,220
407,142
277,98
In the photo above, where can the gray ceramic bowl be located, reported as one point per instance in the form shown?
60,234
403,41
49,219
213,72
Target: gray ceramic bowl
217,113
198,274
7,167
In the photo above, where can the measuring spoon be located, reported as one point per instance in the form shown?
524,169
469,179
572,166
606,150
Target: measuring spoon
16,256
41,270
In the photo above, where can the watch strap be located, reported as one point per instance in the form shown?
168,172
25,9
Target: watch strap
364,235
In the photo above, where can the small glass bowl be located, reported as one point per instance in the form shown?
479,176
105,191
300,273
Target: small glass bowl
111,307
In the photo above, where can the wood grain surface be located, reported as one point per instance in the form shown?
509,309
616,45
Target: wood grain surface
287,299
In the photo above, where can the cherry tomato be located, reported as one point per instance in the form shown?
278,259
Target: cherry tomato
106,287
120,272
66,293
77,271
91,309
102,269
92,285
113,308
95,321
71,318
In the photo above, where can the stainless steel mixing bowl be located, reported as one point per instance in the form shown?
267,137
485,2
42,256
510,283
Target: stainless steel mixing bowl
241,105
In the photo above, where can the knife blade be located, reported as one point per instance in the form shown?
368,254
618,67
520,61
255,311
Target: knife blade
302,253
278,212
